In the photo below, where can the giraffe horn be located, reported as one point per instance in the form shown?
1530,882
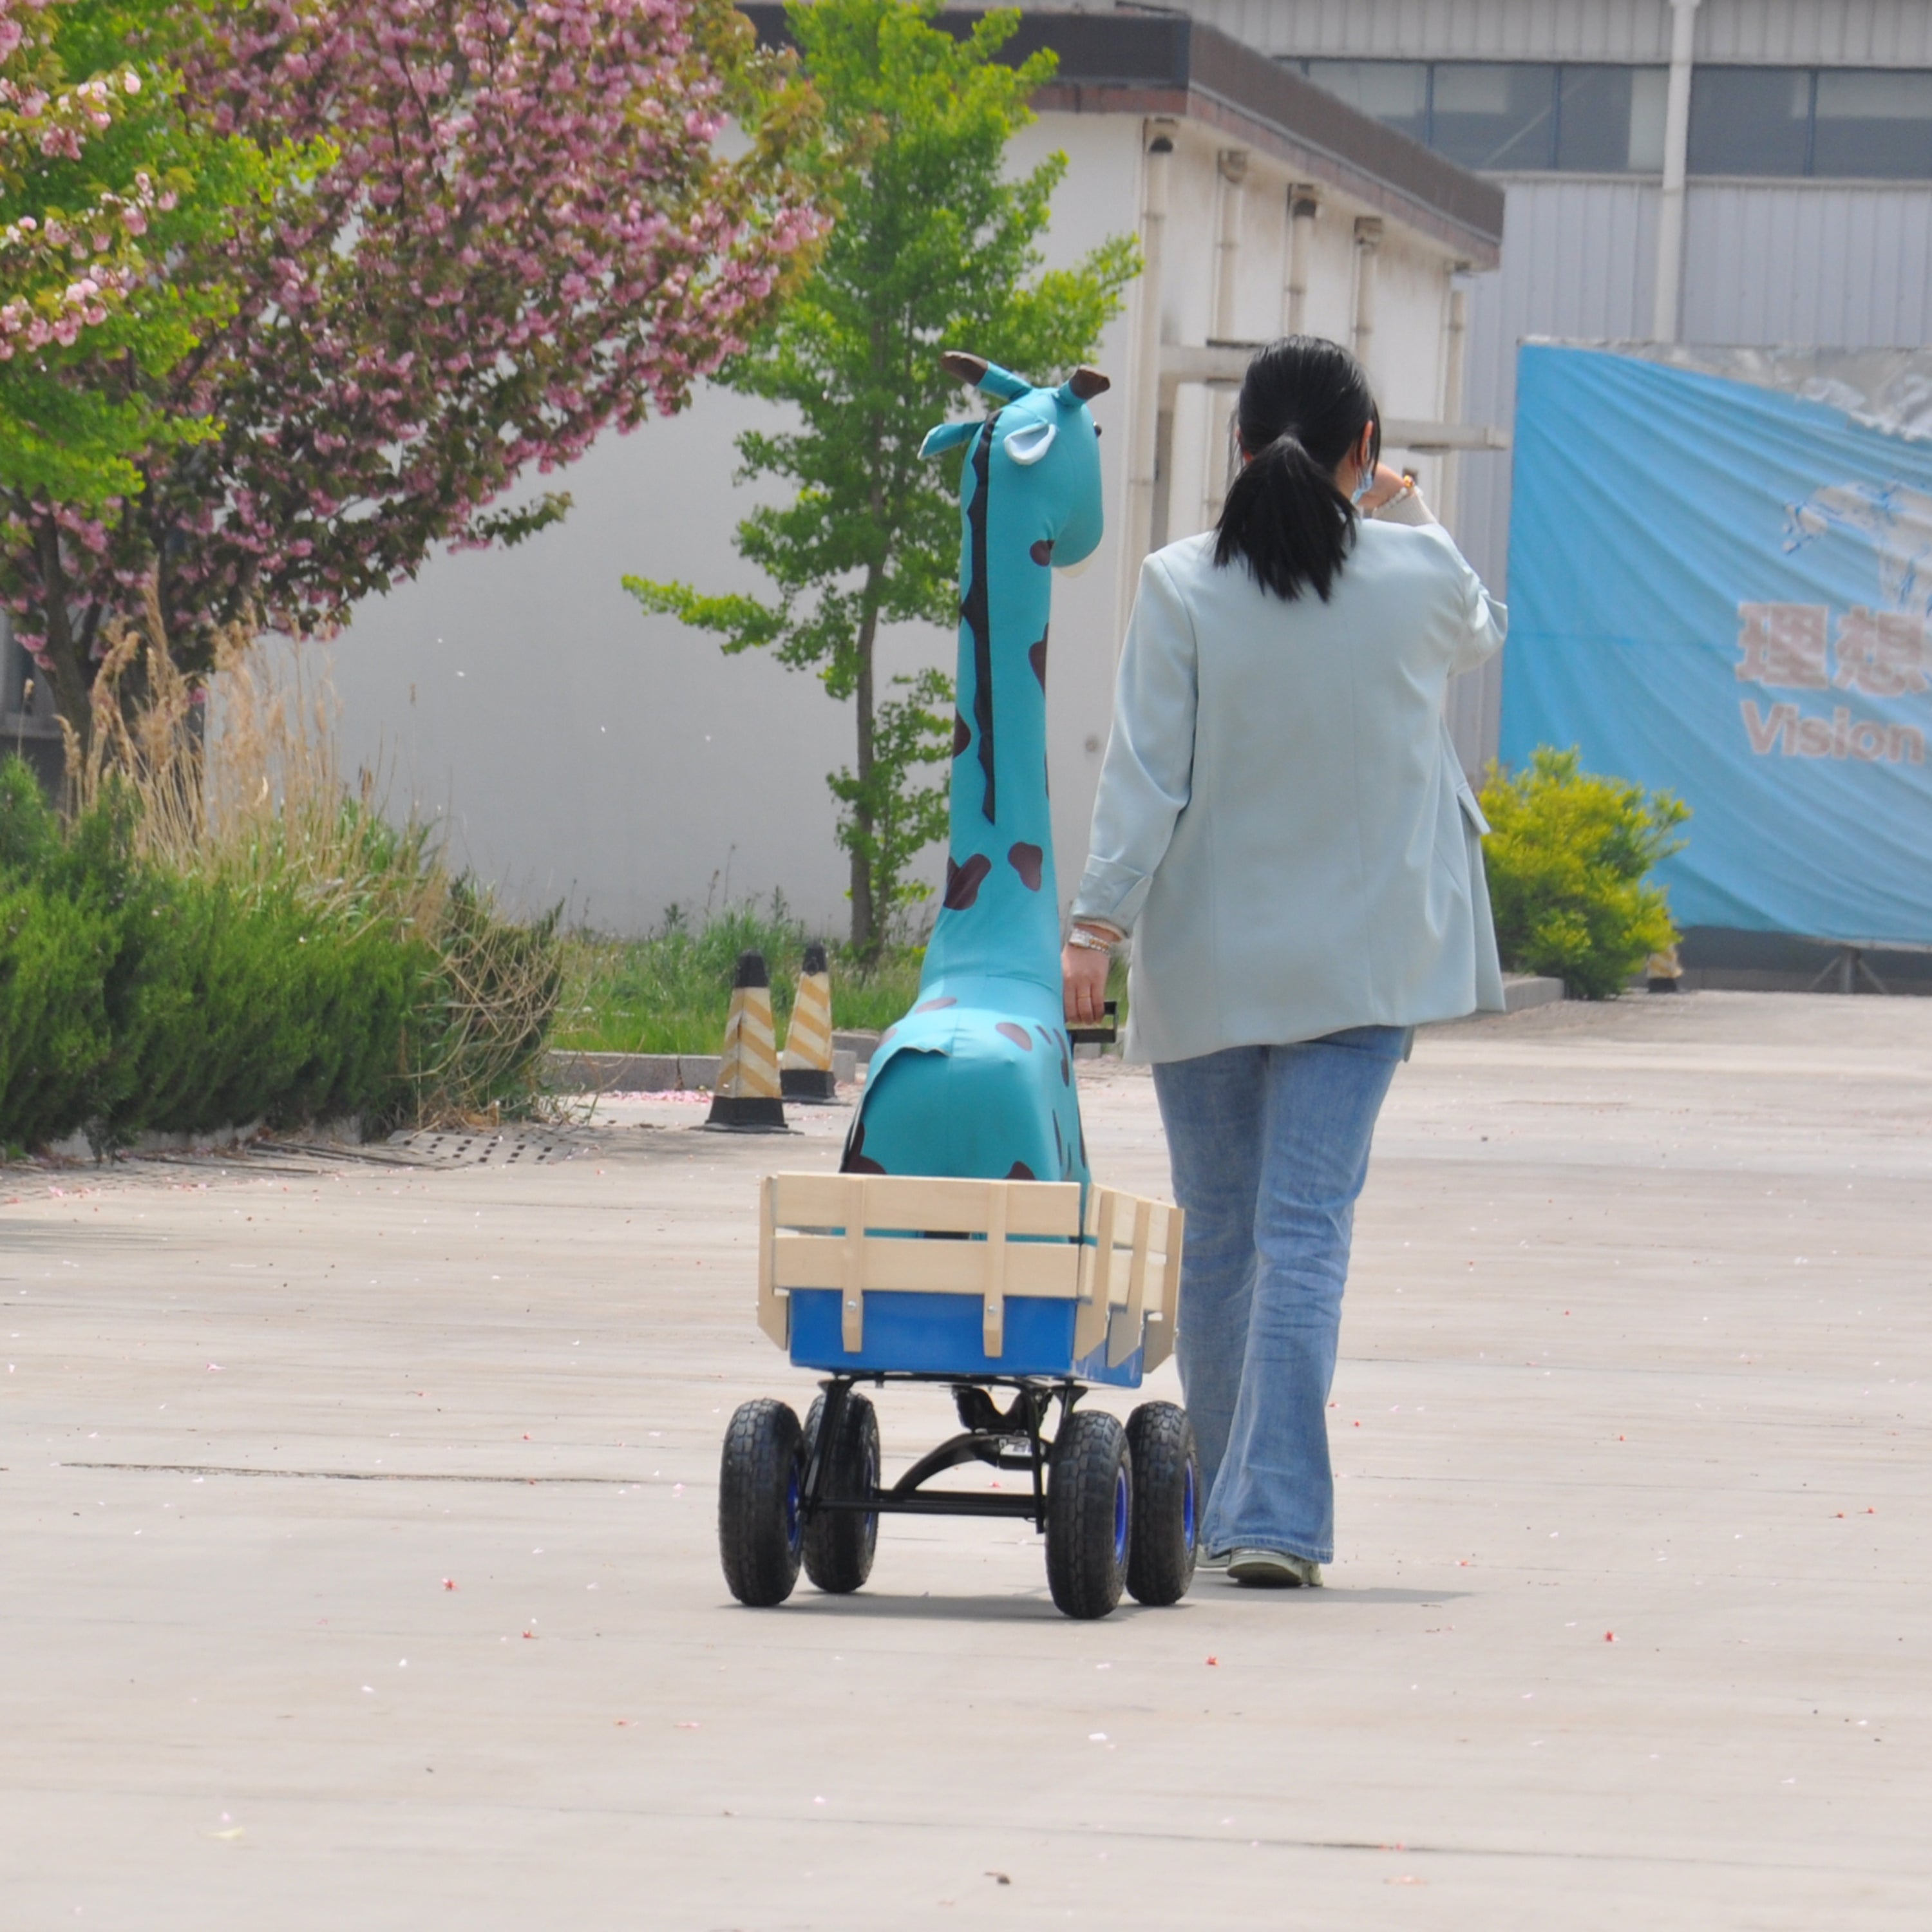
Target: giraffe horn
977,371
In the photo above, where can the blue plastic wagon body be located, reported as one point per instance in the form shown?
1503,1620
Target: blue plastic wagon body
911,1334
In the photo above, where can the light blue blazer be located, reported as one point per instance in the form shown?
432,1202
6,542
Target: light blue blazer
1283,824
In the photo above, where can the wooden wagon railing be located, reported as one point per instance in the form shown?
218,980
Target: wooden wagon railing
850,1232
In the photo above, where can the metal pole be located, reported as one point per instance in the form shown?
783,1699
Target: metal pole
1667,316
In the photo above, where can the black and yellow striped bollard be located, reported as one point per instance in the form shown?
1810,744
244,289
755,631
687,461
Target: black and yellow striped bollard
747,1096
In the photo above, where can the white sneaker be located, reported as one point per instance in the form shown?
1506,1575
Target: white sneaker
1202,1560
1274,1570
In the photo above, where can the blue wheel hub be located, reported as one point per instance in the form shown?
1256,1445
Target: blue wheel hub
794,1527
1120,1516
1187,1507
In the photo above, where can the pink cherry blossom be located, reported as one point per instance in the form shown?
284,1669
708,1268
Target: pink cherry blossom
523,235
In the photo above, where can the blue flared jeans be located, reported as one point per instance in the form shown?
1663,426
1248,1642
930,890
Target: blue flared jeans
1270,1147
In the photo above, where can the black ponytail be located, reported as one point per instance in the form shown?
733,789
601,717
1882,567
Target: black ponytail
1304,404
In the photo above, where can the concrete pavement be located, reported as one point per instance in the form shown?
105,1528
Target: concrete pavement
358,1564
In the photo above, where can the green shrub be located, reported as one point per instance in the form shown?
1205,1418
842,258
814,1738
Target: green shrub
134,995
1567,857
54,1036
230,1009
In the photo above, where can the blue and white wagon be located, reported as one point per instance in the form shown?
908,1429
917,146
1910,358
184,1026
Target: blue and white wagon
980,1286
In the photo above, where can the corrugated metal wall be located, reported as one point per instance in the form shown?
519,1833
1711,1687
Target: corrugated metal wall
1847,33
1838,267
1824,33
1616,30
1775,262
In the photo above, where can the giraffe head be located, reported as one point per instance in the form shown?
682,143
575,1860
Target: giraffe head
1047,445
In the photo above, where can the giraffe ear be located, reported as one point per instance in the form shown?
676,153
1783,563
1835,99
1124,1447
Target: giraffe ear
947,436
1030,442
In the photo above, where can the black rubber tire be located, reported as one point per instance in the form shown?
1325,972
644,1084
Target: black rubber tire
1167,1494
760,1534
1090,1508
839,1543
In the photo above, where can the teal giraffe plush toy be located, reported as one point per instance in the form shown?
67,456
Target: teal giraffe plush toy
977,1080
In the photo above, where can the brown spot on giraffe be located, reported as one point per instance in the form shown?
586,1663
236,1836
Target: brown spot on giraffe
963,882
857,1160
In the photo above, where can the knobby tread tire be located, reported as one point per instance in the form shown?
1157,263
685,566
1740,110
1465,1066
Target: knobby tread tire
763,1456
1084,1570
839,1544
1160,1551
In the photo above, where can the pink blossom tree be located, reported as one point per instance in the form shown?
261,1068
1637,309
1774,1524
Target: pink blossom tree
522,228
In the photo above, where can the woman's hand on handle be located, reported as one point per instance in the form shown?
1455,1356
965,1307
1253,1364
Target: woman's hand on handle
1083,974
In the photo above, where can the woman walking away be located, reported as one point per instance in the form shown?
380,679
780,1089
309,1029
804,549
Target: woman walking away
1284,829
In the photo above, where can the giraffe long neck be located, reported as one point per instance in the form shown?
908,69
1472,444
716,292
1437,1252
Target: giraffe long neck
1000,915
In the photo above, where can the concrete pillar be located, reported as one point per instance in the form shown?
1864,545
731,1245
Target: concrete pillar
1303,205
1667,314
1143,426
1218,472
1368,246
1233,163
1455,352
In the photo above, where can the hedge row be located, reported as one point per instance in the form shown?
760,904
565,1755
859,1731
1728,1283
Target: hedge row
132,999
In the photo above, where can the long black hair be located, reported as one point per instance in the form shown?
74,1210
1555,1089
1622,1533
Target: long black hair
1305,402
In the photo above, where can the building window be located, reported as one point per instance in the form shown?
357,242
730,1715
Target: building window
1872,124
1750,121
1524,116
1396,93
1610,120
1511,116
1486,115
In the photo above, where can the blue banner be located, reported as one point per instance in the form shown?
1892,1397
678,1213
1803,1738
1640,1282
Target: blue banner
1722,590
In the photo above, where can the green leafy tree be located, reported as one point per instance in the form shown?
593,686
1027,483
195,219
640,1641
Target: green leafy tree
934,247
102,180
1568,857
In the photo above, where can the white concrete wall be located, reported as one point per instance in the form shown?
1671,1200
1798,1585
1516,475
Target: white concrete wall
1406,357
578,750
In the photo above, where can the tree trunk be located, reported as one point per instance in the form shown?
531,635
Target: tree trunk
66,669
865,934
